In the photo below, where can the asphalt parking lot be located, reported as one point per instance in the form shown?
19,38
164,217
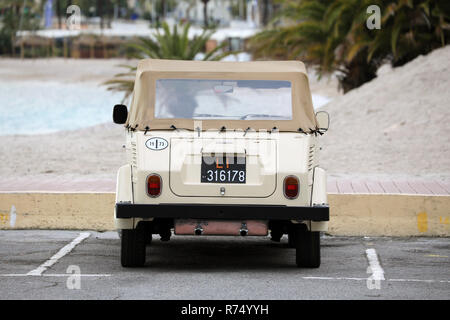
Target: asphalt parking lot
43,264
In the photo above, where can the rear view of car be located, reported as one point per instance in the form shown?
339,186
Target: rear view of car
221,148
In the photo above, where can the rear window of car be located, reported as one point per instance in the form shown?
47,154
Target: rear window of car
223,99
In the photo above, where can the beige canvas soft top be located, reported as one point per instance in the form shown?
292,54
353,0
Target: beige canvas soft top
141,115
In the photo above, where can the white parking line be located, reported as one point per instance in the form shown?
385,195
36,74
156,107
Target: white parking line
365,279
334,278
419,280
61,253
375,267
53,275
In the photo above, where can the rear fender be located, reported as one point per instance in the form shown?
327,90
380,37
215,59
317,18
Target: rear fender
124,193
319,197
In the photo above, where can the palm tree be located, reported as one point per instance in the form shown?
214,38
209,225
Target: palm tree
411,28
266,4
205,13
16,16
169,44
317,32
303,32
333,37
58,13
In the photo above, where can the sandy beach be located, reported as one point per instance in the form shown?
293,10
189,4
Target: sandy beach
395,126
60,70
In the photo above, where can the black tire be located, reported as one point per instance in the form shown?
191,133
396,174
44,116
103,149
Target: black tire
148,234
292,243
148,239
132,253
307,247
291,240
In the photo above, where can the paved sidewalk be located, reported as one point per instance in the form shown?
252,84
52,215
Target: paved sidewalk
57,185
393,186
335,186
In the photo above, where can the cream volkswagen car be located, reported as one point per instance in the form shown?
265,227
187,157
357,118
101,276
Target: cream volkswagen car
221,148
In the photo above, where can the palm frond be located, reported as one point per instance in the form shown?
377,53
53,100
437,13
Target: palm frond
165,44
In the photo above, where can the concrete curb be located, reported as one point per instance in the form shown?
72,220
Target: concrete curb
389,215
79,211
351,214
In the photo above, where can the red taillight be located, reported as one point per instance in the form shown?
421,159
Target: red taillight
154,185
291,187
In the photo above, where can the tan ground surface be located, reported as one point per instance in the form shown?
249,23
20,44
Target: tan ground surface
398,124
60,69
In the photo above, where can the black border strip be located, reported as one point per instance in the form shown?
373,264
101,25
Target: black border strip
211,211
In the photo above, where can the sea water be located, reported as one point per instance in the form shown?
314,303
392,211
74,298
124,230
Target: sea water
33,107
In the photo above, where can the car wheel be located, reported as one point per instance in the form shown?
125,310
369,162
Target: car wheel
307,245
148,239
132,253
148,234
291,239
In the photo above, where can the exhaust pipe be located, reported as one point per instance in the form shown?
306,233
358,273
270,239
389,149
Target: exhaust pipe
243,231
197,227
198,230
